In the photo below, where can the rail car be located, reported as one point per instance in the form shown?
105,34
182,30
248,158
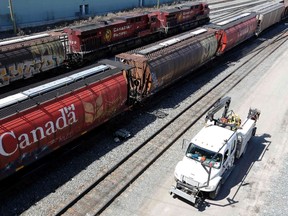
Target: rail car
24,57
267,15
234,31
251,22
39,120
160,64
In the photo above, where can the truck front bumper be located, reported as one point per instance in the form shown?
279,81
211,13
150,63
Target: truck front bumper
180,193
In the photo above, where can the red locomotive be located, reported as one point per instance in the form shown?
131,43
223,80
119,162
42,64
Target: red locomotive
127,30
184,17
88,38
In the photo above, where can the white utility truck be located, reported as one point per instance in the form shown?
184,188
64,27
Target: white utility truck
210,155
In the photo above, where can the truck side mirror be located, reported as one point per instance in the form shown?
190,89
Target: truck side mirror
185,144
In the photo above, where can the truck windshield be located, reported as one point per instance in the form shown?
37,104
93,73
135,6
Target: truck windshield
206,157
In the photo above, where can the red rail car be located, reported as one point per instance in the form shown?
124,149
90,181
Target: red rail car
41,119
25,56
234,31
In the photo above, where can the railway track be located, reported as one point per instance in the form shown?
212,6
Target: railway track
107,187
230,6
224,12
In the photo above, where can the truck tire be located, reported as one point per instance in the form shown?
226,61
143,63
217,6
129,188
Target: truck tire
214,194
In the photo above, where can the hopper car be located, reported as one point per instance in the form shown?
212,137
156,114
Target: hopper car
234,31
267,15
24,57
160,64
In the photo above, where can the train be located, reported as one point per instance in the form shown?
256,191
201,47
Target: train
39,120
24,57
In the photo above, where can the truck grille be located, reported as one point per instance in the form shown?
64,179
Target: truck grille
190,181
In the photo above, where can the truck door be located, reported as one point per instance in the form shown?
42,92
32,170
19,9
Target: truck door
226,160
229,155
232,151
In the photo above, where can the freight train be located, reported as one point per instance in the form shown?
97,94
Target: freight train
151,63
39,120
23,57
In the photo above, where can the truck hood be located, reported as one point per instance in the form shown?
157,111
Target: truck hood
191,170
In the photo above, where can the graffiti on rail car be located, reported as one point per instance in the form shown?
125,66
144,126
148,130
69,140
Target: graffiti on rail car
25,62
105,106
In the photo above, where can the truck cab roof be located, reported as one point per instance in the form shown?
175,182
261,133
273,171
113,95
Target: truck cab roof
212,137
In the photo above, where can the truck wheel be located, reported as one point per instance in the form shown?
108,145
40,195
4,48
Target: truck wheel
215,193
